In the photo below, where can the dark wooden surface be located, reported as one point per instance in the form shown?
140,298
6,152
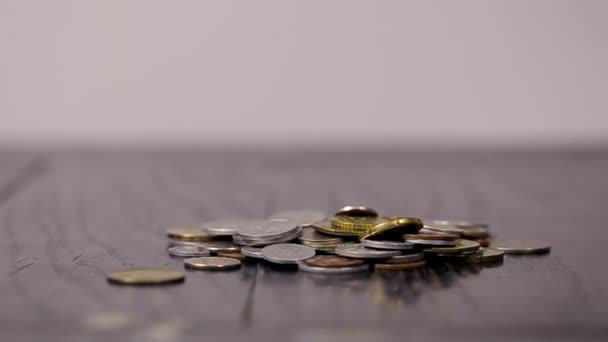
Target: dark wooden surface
68,217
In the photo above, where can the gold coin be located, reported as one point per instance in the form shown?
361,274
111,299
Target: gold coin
393,230
233,255
212,263
401,266
355,223
357,211
326,227
146,276
188,234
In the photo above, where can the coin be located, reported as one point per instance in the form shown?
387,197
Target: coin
333,270
188,234
521,247
252,252
173,242
212,263
267,229
225,227
486,255
287,253
333,261
233,255
430,237
391,245
188,251
401,266
220,246
433,229
359,210
403,258
325,227
303,218
469,228
357,250
483,242
355,222
431,242
240,240
146,276
460,246
394,229
311,235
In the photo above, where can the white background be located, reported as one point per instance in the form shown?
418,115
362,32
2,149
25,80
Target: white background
438,73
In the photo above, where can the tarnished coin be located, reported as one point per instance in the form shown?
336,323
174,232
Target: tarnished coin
267,229
521,247
188,234
220,246
390,245
399,259
486,255
225,227
311,235
212,263
393,230
325,227
357,210
233,255
333,261
146,276
460,246
357,250
252,252
188,251
356,222
303,218
400,266
333,270
287,253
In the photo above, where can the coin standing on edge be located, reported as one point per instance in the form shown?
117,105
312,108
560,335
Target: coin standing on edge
146,276
212,263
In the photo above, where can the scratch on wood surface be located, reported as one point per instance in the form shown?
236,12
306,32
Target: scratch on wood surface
22,267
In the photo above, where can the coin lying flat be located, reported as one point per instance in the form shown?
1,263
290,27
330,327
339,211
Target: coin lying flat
357,210
404,258
268,229
460,246
212,263
486,255
287,253
225,227
390,245
357,250
173,242
445,229
188,251
233,255
431,237
332,270
220,246
188,234
244,241
146,276
521,247
333,261
469,228
311,235
400,266
303,218
252,252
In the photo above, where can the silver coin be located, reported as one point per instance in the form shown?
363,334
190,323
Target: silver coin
404,258
521,247
301,217
438,229
312,236
188,251
220,246
357,250
212,263
431,242
268,229
225,227
173,242
240,240
252,252
334,270
287,253
390,245
463,224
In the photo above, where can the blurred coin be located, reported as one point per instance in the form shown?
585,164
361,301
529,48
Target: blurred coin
267,229
188,251
460,246
287,253
430,237
357,250
220,246
394,229
399,259
233,255
469,228
334,270
400,266
355,222
431,229
360,210
212,263
303,218
325,227
252,252
311,235
146,276
483,242
226,227
486,255
521,247
391,245
188,234
173,242
333,261
240,240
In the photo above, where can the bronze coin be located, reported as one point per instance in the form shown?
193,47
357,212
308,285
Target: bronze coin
333,261
431,237
233,255
402,266
483,242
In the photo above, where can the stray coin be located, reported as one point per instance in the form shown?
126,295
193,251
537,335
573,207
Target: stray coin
188,234
400,266
233,255
220,246
521,247
390,245
355,211
460,246
303,218
146,276
252,252
333,270
404,258
212,263
486,255
333,261
188,251
287,253
357,250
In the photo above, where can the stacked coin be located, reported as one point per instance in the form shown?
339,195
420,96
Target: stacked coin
267,232
350,221
321,242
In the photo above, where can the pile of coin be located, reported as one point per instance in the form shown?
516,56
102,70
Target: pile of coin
354,239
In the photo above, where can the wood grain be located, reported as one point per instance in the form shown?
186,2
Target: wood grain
69,217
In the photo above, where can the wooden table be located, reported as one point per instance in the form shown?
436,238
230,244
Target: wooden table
67,217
